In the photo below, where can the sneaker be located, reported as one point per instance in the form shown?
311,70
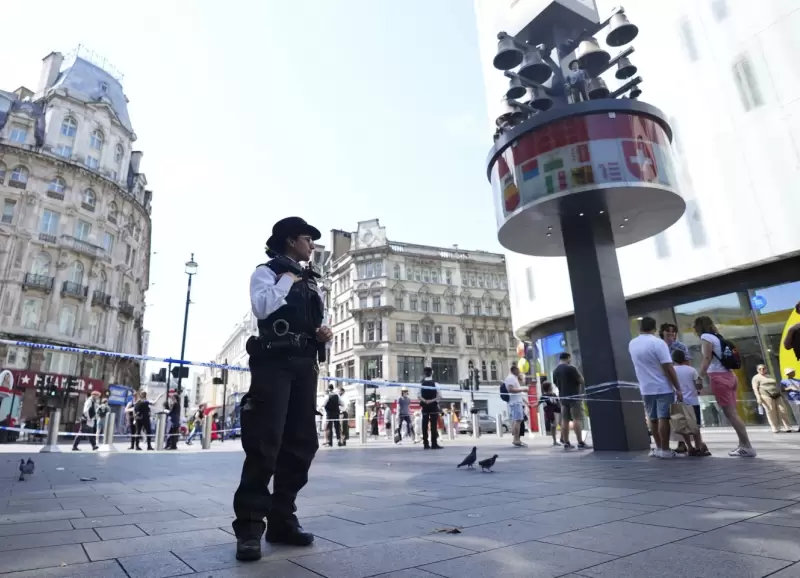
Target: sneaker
653,453
666,455
556,443
567,446
584,446
741,452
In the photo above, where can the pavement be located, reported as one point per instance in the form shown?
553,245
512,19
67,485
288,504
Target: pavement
401,512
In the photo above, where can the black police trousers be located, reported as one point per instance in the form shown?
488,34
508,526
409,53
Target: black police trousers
333,425
430,419
279,438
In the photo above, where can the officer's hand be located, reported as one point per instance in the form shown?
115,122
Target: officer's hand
292,276
324,334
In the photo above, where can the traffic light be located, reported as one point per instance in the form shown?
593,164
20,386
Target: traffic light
181,370
477,380
185,402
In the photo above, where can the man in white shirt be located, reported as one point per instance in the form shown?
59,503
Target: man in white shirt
516,401
658,383
88,421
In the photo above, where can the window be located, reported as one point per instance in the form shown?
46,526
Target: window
89,198
412,303
397,271
425,304
437,304
480,280
481,337
82,230
31,313
687,37
529,283
2,173
102,282
500,310
347,339
121,328
451,335
58,362
398,302
747,84
484,376
49,223
417,274
414,333
95,368
63,150
335,343
370,331
119,152
66,319
426,333
410,368
57,185
491,335
76,273
471,279
400,332
96,140
477,307
376,300
126,293
448,277
493,370
94,327
426,275
445,370
437,334
16,358
69,127
112,213
451,307
362,302
468,334
108,242
434,276
8,211
372,367
19,134
19,176
41,264
467,308
92,162
351,368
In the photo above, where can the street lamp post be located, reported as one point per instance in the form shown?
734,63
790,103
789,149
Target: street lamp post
191,270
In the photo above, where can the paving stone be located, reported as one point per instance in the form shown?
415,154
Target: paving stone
319,523
456,492
34,527
756,539
677,559
381,532
492,536
158,565
44,506
261,569
124,520
151,507
45,539
661,498
476,516
389,514
224,555
478,501
520,561
792,571
339,510
16,560
104,569
368,561
149,544
693,518
409,573
558,502
579,517
117,532
95,511
606,492
620,538
172,526
744,503
39,516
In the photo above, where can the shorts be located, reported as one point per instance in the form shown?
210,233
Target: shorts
657,406
723,386
571,409
516,412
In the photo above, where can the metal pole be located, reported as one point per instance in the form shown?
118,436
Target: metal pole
108,434
363,433
476,426
224,400
185,324
161,426
206,439
499,423
51,444
451,427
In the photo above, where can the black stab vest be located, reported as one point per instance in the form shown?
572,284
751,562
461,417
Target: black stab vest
303,311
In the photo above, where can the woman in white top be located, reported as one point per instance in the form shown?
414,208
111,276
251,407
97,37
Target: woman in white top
723,382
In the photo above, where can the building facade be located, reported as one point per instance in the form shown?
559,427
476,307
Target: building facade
74,232
726,75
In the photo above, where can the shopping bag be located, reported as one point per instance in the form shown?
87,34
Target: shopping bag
681,419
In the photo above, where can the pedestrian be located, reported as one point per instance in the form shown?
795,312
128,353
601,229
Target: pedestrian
722,380
344,416
552,410
130,415
277,413
404,414
429,398
791,387
770,397
387,420
570,384
691,384
332,407
197,424
791,340
669,333
88,421
102,412
658,384
143,410
174,410
516,409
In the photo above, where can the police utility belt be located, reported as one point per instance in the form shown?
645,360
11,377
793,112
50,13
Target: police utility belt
281,338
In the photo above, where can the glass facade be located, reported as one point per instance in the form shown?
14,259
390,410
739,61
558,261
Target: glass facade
754,320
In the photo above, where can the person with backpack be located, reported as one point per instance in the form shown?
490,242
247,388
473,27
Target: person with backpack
102,412
88,421
511,392
720,358
332,410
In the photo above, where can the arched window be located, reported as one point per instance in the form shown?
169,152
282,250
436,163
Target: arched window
41,264
484,377
69,127
119,152
493,370
19,176
96,140
76,273
397,271
112,212
89,198
94,327
57,185
102,281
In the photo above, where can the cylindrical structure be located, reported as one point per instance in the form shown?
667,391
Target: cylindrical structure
451,427
51,444
476,426
207,431
108,434
364,428
161,429
499,423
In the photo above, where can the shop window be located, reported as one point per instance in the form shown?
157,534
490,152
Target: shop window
773,307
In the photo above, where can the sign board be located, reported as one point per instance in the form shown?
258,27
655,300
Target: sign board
33,379
513,16
119,394
759,302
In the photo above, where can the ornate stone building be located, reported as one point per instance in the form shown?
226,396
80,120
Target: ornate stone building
74,232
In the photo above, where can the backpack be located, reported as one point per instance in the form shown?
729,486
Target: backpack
504,393
102,411
332,405
730,358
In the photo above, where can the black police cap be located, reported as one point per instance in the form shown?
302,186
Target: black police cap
291,227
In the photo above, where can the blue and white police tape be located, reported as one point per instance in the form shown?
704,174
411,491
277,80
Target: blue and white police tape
590,390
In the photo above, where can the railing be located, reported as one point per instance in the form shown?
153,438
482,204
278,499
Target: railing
100,298
47,238
35,281
72,289
82,246
88,207
17,184
55,195
125,308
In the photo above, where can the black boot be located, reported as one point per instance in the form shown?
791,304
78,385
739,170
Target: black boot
290,533
248,550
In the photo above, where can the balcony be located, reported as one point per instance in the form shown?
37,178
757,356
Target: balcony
70,289
83,247
125,309
33,281
17,184
101,299
87,207
55,195
47,238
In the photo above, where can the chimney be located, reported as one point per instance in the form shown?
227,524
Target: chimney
136,160
51,66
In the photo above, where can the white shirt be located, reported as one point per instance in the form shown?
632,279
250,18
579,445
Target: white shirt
267,293
715,366
387,414
687,377
648,353
512,381
90,421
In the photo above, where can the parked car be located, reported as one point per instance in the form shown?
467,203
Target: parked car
488,425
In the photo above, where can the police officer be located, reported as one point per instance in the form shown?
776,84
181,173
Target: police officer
429,397
279,435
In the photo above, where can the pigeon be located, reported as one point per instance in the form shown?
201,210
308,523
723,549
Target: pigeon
470,459
25,468
488,463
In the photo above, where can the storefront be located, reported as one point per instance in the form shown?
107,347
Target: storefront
746,308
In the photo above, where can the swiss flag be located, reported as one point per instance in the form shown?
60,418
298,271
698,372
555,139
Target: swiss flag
640,159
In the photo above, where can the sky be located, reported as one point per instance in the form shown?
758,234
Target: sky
250,111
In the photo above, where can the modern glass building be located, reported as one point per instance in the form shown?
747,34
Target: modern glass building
726,74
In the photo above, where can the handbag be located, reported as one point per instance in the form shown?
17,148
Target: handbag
682,419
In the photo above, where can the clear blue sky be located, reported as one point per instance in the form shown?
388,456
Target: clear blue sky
248,112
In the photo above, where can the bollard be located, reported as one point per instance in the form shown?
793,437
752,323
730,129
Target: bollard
499,423
108,434
476,426
161,428
363,432
51,443
451,427
206,441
